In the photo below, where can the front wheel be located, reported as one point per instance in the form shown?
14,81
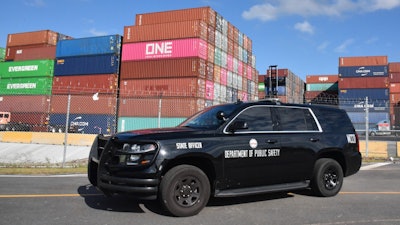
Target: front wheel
327,178
184,190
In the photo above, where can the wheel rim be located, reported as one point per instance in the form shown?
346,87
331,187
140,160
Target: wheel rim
331,179
187,191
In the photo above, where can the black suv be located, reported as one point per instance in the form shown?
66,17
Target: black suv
228,150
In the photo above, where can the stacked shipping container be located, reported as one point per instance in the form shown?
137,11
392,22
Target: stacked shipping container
2,54
26,76
361,77
322,89
187,58
394,90
290,87
86,69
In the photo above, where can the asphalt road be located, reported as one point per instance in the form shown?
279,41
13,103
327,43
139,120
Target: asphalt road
372,196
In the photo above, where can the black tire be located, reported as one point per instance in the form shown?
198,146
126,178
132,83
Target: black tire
92,172
184,190
327,178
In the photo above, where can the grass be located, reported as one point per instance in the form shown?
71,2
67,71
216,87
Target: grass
76,167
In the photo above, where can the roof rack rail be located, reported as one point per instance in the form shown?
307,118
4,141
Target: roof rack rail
276,100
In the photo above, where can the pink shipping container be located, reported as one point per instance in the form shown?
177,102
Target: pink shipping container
205,14
315,79
168,49
394,67
166,31
209,90
84,104
78,84
185,87
32,38
25,103
363,61
170,107
363,82
223,76
44,52
183,67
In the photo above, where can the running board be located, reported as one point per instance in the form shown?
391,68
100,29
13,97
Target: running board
261,189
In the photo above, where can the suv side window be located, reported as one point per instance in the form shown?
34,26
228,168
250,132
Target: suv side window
296,119
258,118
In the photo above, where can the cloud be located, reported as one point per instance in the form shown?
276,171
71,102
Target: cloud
372,40
95,32
35,3
304,27
273,9
324,45
342,48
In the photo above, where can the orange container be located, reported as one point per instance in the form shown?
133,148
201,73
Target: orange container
394,67
316,79
89,84
364,61
32,38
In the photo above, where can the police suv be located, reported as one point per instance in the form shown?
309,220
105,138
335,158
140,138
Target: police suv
228,150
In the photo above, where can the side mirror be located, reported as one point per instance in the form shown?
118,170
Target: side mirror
237,125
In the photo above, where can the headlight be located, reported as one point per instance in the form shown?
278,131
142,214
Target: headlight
136,148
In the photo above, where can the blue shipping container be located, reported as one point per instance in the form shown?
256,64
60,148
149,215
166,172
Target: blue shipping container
360,94
82,65
373,118
87,123
363,71
110,44
359,106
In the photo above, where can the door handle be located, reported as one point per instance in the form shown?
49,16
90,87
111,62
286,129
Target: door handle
314,139
272,141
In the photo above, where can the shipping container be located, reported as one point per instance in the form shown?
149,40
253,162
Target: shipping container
394,67
395,98
26,86
87,123
371,93
166,31
374,117
30,68
110,44
150,107
2,54
363,71
394,77
321,95
168,68
315,79
84,104
363,82
32,38
79,84
184,86
35,53
363,61
359,106
205,14
137,123
25,103
32,119
168,49
394,88
83,65
322,87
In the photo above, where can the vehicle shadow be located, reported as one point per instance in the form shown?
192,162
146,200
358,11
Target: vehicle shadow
119,203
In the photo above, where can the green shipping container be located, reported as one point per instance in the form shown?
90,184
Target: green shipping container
137,123
26,86
2,54
323,87
29,68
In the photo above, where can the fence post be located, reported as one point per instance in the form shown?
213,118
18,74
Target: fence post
66,130
159,109
366,126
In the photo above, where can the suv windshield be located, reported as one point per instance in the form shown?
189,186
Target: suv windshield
208,118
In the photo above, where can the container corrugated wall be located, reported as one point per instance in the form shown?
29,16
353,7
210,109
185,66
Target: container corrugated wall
363,61
31,68
110,44
91,64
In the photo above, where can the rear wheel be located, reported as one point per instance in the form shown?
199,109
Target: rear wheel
185,190
327,177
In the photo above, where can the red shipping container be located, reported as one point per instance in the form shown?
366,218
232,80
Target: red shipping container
35,53
166,31
25,103
184,67
395,98
170,107
185,87
32,38
394,77
78,84
33,119
363,82
16,51
363,61
84,104
315,79
394,88
205,14
394,67
167,49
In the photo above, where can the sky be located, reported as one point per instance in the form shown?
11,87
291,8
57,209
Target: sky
305,36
